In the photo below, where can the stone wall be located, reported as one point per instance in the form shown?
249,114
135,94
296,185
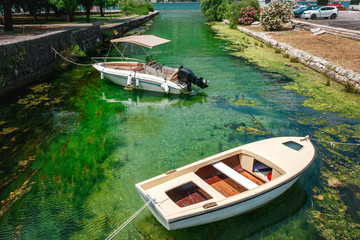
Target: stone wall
331,70
26,61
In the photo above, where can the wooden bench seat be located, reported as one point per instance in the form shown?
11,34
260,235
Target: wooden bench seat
234,175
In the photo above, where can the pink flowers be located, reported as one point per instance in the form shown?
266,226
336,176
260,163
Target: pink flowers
247,15
275,15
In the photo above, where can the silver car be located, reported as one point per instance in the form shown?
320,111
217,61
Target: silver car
321,12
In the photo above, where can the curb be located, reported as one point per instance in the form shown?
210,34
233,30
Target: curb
348,33
332,71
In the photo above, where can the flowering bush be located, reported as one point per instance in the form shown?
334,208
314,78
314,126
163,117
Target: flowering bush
244,12
247,15
276,15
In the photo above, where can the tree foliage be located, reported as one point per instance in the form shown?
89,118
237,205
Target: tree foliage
136,7
88,4
6,5
68,6
214,10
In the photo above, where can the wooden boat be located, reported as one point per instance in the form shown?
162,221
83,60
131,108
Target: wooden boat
227,184
146,73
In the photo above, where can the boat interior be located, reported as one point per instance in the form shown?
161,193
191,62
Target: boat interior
154,69
229,177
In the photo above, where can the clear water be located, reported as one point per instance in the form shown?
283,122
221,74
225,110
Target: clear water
93,140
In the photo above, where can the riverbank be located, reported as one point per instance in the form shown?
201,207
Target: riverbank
334,120
334,71
26,60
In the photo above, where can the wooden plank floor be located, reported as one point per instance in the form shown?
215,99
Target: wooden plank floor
225,185
249,176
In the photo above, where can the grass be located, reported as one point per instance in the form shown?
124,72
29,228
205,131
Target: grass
336,49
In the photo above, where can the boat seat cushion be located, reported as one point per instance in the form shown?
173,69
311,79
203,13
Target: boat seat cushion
237,177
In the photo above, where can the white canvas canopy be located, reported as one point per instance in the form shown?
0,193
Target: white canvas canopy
148,41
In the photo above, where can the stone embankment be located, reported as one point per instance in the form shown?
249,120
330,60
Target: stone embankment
26,60
331,70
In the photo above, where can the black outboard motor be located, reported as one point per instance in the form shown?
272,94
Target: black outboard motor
187,76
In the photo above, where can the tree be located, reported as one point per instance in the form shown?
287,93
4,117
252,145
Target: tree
88,4
104,4
68,6
214,10
7,5
101,4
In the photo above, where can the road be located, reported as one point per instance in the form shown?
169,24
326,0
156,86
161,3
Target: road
346,19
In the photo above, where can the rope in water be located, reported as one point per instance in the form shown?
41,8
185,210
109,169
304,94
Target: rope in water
334,143
79,64
127,221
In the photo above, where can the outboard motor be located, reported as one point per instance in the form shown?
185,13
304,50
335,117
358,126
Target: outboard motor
187,76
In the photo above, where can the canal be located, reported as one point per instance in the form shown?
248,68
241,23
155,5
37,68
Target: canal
72,147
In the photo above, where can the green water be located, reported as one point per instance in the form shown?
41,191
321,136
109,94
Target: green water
91,141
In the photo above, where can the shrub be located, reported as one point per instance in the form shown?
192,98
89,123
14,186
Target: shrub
349,87
276,15
294,60
214,10
142,10
136,7
149,6
239,12
277,51
77,52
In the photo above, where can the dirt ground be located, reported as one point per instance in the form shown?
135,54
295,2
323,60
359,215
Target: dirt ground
336,49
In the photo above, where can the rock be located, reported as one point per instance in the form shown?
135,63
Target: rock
314,30
334,183
255,24
288,26
319,32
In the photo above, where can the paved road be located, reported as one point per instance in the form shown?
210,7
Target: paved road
30,31
346,19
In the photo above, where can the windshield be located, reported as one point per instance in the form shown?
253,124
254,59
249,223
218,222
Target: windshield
316,8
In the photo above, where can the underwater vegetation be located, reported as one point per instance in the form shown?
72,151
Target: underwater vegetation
335,213
304,81
237,100
255,128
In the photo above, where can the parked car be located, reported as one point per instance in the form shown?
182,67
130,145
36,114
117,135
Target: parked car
321,12
297,7
335,4
300,11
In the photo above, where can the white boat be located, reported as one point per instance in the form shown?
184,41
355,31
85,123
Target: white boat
147,74
227,184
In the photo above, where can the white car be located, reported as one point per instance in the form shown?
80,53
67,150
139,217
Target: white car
321,12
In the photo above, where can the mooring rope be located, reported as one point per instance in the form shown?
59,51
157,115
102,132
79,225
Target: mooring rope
79,64
127,221
335,143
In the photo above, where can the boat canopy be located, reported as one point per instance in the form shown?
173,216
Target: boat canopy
148,41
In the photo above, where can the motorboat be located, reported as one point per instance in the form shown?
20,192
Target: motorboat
146,73
226,184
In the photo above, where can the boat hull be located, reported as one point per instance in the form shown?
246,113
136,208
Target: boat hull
145,81
226,184
238,208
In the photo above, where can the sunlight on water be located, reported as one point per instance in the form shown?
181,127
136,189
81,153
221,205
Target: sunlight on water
92,141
